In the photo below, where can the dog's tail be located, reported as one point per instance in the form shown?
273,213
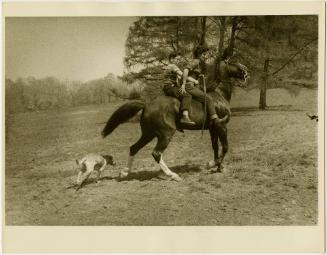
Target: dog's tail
121,115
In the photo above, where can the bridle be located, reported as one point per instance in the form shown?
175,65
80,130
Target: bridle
242,67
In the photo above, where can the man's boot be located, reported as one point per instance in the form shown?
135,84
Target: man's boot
186,120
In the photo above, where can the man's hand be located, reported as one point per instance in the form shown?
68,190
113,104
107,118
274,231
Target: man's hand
182,89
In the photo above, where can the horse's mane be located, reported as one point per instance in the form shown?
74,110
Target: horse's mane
211,76
214,79
216,68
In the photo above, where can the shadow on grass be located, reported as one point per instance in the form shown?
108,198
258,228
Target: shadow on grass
150,175
143,175
186,169
242,111
90,181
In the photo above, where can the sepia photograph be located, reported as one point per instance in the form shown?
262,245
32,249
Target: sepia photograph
168,120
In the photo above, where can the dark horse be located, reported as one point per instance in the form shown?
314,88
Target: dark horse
160,118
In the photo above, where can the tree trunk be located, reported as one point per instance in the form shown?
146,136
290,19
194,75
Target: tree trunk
203,30
264,85
203,65
222,34
222,29
231,45
177,34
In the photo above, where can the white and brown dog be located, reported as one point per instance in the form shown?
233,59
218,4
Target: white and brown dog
92,162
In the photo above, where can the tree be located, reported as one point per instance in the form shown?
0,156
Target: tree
13,96
151,39
267,45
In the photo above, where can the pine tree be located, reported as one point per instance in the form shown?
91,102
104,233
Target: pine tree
152,39
274,49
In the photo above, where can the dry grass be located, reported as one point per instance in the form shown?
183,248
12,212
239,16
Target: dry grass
270,175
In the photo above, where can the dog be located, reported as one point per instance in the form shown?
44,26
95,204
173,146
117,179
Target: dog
92,162
312,117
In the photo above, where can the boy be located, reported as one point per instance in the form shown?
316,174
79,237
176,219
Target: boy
172,88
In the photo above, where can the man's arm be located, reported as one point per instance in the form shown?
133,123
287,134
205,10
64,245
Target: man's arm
185,76
191,79
180,74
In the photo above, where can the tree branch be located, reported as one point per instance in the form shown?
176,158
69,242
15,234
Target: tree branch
293,56
242,40
218,24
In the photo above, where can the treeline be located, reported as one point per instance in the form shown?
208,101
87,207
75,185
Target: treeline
31,94
279,51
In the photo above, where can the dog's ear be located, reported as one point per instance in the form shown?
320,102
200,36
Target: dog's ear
77,162
112,160
109,159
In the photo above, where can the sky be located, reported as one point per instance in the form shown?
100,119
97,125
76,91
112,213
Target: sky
74,48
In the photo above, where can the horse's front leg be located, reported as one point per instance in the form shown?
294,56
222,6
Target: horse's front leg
222,134
215,146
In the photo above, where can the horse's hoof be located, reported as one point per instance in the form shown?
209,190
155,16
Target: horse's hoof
103,135
176,178
218,170
123,175
211,164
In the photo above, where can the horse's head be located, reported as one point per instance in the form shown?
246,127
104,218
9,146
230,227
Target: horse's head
227,70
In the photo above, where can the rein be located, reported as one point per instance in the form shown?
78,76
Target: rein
205,104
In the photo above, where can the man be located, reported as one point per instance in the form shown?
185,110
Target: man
173,77
193,70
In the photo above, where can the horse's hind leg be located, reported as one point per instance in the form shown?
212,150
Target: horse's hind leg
144,140
163,141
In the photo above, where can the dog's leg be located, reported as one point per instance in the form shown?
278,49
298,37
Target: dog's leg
100,171
86,174
98,176
78,178
103,167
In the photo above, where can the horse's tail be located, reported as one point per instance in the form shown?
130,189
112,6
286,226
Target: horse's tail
121,115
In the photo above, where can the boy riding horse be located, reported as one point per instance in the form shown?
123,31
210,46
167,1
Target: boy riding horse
172,88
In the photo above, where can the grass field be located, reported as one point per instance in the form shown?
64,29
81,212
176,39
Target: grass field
270,174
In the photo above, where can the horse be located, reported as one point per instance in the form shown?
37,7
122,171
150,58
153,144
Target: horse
160,118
